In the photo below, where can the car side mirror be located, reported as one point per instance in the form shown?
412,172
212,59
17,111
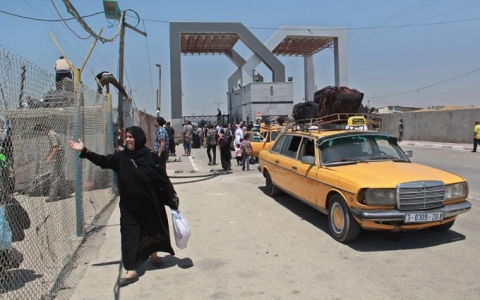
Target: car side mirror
408,153
309,160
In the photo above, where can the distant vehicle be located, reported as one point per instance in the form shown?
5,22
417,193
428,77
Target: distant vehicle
268,134
362,179
255,136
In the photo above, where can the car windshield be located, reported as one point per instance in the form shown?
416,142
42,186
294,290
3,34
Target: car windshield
360,148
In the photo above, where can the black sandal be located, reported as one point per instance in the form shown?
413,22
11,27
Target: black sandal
126,281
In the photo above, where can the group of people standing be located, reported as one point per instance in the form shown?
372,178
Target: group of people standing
225,137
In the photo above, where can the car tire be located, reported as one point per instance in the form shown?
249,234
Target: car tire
272,189
443,227
343,226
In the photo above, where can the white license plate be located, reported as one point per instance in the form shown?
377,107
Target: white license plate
423,217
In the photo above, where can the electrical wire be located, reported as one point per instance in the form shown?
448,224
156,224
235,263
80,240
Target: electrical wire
428,86
136,16
60,15
48,20
393,17
85,26
415,24
58,34
347,28
61,37
249,27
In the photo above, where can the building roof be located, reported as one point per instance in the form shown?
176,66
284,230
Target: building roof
293,45
207,43
220,43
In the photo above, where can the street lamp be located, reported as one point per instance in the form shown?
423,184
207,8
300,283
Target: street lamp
159,91
111,9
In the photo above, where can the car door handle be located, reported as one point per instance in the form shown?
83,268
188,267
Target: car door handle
276,161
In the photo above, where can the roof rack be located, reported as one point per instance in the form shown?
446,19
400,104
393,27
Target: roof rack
374,122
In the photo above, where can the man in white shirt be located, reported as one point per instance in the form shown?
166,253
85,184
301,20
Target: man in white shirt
62,70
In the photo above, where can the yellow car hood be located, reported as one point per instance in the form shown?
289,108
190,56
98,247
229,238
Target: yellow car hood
388,174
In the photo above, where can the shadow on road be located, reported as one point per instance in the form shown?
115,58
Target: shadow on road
12,280
167,262
371,240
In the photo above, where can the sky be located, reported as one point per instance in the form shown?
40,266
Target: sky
417,53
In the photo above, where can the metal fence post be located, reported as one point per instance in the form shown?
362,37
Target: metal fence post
77,161
110,137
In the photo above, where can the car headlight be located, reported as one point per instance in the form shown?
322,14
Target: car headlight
454,191
380,197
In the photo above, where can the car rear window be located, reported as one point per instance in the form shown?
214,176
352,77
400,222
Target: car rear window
274,135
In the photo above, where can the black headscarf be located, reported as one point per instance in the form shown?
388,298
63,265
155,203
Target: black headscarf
140,139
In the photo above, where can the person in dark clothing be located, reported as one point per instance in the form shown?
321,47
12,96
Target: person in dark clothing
171,136
400,130
219,116
225,153
144,190
161,141
212,137
104,78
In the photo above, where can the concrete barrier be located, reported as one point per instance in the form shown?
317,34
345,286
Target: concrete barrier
446,126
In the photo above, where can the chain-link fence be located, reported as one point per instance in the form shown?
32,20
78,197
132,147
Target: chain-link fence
49,199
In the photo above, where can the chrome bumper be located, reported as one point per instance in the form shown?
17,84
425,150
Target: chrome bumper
397,215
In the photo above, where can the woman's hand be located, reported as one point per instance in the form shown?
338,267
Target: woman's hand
76,146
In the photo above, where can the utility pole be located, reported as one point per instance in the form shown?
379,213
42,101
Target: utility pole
159,93
121,65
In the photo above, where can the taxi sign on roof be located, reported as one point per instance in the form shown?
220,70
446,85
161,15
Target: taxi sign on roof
356,121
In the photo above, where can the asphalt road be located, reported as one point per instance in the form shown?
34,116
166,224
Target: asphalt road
246,245
464,163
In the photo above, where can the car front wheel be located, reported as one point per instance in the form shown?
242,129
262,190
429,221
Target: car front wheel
343,226
272,189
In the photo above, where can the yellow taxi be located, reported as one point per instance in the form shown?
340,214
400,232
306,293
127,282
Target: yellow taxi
268,134
362,179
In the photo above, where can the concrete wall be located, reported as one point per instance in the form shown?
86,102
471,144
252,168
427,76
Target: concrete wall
147,123
446,126
269,98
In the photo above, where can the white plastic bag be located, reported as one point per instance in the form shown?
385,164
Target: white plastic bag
181,229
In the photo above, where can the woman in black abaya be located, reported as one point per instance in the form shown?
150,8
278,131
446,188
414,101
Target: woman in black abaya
225,152
144,189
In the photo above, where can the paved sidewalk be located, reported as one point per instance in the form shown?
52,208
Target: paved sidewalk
181,164
454,146
99,280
